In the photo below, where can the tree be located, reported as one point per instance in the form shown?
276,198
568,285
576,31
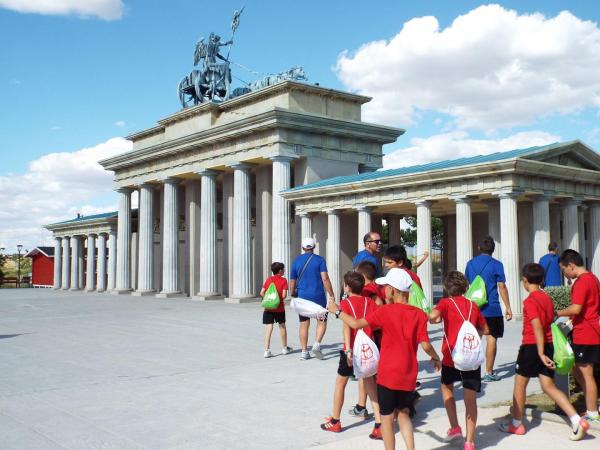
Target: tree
408,236
2,261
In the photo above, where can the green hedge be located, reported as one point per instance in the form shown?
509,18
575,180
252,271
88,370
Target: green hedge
560,295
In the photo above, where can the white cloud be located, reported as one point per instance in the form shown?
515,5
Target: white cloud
491,68
56,187
458,144
103,9
56,128
120,123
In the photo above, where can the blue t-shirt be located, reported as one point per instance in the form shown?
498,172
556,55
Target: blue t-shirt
365,255
492,272
550,263
310,286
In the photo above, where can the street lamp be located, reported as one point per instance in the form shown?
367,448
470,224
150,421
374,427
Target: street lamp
19,248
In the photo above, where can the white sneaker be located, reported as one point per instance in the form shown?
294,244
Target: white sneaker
304,355
316,349
268,353
285,350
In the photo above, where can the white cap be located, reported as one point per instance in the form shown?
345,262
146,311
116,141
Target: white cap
397,278
308,243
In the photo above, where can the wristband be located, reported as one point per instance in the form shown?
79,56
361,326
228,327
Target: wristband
349,351
337,313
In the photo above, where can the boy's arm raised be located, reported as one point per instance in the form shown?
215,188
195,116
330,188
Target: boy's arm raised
539,341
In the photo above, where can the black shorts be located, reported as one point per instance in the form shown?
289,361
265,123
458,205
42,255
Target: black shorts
471,379
344,370
529,363
586,354
270,317
496,326
392,399
304,319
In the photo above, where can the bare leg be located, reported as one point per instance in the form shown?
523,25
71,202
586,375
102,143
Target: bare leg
557,395
406,428
304,334
321,328
519,392
370,388
283,334
450,404
490,354
338,396
470,397
585,377
268,331
387,432
362,393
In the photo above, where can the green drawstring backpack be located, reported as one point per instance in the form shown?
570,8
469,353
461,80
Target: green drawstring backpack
564,358
271,299
416,297
477,291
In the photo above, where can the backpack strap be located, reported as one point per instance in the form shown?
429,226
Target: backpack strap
351,307
485,265
459,311
304,268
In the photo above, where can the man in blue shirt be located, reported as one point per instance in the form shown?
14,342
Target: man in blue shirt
309,279
372,242
550,263
492,272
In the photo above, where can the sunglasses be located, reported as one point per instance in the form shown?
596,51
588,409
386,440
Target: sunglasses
376,241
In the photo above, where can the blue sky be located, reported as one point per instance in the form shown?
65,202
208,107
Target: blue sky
70,82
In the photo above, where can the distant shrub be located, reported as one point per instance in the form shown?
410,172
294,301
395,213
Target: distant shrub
560,295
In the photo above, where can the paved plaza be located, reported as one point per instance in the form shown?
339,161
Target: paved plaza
93,371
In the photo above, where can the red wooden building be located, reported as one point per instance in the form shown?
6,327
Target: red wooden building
42,266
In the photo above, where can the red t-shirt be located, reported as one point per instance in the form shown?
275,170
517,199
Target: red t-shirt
358,303
586,292
453,321
414,277
537,305
372,290
281,284
403,327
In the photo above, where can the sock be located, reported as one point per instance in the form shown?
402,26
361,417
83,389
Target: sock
575,421
334,421
359,408
591,413
516,423
377,425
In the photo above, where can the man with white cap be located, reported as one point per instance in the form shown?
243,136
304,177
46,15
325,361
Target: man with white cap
309,280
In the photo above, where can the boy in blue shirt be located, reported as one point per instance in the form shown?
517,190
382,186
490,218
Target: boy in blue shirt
551,265
492,272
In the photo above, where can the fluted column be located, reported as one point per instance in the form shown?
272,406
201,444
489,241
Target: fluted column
75,263
57,262
509,234
570,215
208,236
101,271
364,224
581,232
333,250
90,279
112,261
123,273
494,225
393,222
594,235
464,232
424,245
280,231
541,226
305,225
81,262
66,263
170,255
145,241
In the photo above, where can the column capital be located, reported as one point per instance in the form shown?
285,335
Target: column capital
542,197
573,201
240,166
426,203
207,172
124,190
508,194
460,198
170,180
363,208
94,235
304,213
282,158
332,212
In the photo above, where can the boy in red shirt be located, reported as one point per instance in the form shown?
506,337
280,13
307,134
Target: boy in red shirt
404,328
395,256
357,306
270,316
454,310
585,303
535,355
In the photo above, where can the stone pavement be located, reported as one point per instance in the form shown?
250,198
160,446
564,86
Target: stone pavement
92,371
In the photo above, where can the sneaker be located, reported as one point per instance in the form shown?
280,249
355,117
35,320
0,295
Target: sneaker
490,377
285,350
329,426
418,385
376,433
268,354
453,433
582,428
592,419
304,355
509,428
469,446
362,413
316,349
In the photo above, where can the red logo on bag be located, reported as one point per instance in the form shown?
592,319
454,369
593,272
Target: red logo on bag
366,353
469,342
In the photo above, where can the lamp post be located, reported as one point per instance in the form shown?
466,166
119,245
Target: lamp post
19,248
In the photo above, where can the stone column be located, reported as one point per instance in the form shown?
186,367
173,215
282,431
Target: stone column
541,226
594,235
509,234
66,263
192,236
75,263
145,241
208,237
424,245
555,220
306,225
57,262
101,271
581,232
280,231
112,261
81,262
90,279
494,226
364,224
464,232
333,250
170,258
571,224
393,222
123,270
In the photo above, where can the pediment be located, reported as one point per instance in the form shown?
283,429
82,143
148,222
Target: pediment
571,154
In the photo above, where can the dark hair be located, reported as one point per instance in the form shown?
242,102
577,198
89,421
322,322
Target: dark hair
367,237
455,283
487,245
355,281
552,246
570,256
407,263
396,253
368,269
276,267
533,273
